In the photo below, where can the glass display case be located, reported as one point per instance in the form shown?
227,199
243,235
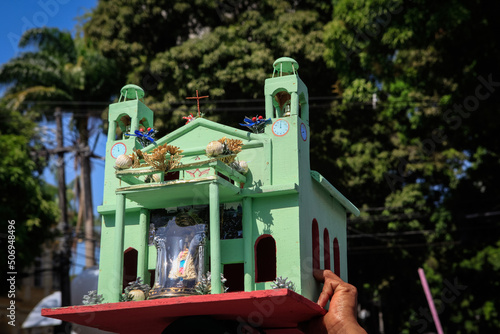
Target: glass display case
179,236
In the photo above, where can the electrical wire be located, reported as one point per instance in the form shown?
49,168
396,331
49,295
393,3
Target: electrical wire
430,102
389,234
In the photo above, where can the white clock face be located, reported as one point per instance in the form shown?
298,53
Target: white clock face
118,149
303,131
280,127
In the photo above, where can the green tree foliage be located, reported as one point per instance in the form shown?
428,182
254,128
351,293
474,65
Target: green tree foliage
59,69
224,50
135,31
25,197
434,68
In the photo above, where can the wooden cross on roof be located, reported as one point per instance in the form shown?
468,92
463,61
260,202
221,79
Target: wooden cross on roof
198,98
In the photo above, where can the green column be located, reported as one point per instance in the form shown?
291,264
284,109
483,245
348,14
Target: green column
269,107
142,246
215,256
112,129
248,244
304,112
294,104
118,248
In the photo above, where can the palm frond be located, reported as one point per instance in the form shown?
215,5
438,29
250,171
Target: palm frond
51,40
35,93
31,69
75,75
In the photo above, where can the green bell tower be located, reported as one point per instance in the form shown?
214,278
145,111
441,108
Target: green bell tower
287,105
126,116
285,93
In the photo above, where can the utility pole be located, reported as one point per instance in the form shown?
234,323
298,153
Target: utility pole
86,188
64,255
86,208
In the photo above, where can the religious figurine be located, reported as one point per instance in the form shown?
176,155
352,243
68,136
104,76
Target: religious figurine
180,256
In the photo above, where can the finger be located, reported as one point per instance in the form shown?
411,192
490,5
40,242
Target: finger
331,282
321,275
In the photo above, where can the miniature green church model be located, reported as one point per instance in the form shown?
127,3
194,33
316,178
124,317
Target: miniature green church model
210,197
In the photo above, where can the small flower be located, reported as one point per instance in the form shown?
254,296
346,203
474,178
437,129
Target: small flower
129,295
144,136
204,286
189,118
283,283
92,298
257,124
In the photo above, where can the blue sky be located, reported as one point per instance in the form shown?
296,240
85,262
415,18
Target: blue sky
19,16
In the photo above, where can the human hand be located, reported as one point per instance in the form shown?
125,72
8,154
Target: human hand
341,316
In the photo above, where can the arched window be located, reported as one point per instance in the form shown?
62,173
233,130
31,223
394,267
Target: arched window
265,258
336,257
315,244
326,249
122,126
282,103
129,266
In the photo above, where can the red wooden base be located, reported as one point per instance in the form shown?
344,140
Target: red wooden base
279,311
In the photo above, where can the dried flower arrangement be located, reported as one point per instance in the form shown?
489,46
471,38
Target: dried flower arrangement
224,149
163,158
232,146
239,166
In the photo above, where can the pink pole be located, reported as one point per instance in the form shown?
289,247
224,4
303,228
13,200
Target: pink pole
430,301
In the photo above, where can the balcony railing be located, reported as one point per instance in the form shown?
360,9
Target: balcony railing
147,176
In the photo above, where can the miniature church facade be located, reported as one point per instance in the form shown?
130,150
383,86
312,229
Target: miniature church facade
278,218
